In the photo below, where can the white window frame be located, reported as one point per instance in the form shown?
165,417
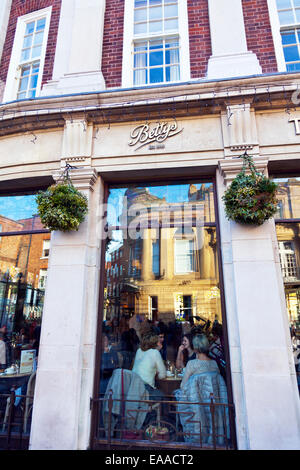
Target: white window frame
14,70
276,33
129,38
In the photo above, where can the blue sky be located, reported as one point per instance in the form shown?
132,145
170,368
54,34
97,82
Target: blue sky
18,207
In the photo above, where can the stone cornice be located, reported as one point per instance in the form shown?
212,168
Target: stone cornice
230,167
82,178
190,99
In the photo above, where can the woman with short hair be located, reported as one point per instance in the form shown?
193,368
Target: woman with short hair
202,363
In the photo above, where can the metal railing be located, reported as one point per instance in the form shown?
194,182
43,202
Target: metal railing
15,421
168,424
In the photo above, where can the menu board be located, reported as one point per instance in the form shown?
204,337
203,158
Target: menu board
27,361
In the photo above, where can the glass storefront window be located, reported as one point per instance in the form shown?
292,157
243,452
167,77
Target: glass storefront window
288,236
23,272
161,301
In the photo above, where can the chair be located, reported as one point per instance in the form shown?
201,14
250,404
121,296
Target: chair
29,400
27,406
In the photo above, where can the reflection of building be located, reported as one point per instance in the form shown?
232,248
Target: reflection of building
166,269
23,272
288,235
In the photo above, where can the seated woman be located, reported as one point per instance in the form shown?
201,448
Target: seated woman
148,364
202,363
185,352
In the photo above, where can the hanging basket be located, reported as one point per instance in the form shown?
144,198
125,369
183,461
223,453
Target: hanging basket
62,207
250,199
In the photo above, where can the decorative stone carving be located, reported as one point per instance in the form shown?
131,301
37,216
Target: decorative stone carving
77,141
239,130
82,178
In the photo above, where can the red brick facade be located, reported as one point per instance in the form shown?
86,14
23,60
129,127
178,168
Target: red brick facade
259,34
112,51
199,33
20,8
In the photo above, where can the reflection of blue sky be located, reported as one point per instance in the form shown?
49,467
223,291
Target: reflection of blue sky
18,207
173,193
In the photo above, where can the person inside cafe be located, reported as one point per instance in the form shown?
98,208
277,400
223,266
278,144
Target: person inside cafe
109,362
149,365
185,352
2,352
202,363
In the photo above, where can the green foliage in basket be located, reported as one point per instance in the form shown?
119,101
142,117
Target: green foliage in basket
62,207
251,198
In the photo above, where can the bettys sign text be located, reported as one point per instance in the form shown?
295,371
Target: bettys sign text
145,134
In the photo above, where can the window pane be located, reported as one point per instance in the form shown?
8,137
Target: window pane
25,55
38,38
288,37
286,17
155,13
293,67
21,96
171,24
140,15
140,28
172,74
156,75
36,51
172,56
27,42
41,24
140,60
297,3
171,10
155,2
140,77
155,27
289,197
156,58
29,28
291,53
33,81
24,84
283,4
140,3
35,67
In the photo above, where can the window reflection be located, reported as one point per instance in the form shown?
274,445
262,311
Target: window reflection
288,236
19,213
161,290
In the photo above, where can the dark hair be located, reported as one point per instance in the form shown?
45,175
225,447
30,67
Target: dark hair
149,341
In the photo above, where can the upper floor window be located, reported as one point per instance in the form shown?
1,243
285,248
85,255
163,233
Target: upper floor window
155,42
25,71
289,20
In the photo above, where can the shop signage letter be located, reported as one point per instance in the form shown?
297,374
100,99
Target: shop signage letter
144,134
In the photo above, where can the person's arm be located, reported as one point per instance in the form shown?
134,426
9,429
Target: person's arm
180,360
160,366
187,373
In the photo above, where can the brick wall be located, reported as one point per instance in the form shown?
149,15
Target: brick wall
20,8
259,34
112,52
199,32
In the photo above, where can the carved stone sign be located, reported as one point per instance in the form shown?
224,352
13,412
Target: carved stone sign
145,134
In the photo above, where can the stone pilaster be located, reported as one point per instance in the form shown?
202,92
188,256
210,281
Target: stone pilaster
230,55
262,368
66,364
77,65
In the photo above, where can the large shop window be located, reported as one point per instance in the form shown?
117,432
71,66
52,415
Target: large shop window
24,254
157,31
162,337
288,235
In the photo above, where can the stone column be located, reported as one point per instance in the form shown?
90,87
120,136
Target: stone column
263,373
230,55
77,65
66,363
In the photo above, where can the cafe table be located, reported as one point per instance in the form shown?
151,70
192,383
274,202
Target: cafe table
169,384
12,381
